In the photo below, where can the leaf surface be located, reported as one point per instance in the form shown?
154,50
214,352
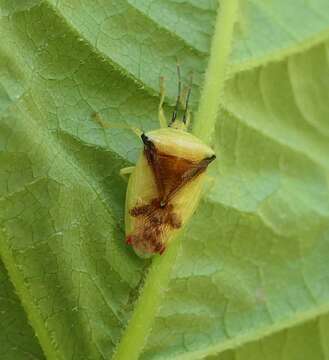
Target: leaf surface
253,263
17,338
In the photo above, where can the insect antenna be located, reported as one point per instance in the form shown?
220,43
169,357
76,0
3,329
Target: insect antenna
187,100
174,115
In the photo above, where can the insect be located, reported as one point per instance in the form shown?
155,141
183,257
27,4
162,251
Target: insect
164,187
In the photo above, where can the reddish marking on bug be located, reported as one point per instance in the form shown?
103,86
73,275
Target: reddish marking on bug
129,240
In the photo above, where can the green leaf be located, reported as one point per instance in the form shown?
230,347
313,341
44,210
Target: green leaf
306,341
251,275
273,29
16,336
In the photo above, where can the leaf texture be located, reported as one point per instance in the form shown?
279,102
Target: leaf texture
251,277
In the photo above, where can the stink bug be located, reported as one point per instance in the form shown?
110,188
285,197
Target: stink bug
164,187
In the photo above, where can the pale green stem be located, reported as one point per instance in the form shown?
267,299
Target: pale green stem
44,336
204,123
146,309
140,324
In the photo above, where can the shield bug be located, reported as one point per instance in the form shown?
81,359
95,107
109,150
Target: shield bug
164,187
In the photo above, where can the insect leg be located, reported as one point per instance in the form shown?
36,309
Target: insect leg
162,117
174,115
126,171
186,116
104,124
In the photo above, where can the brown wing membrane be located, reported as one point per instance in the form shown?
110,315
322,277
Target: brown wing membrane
152,223
171,173
152,158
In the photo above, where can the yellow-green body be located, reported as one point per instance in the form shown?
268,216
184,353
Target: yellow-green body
165,186
142,186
